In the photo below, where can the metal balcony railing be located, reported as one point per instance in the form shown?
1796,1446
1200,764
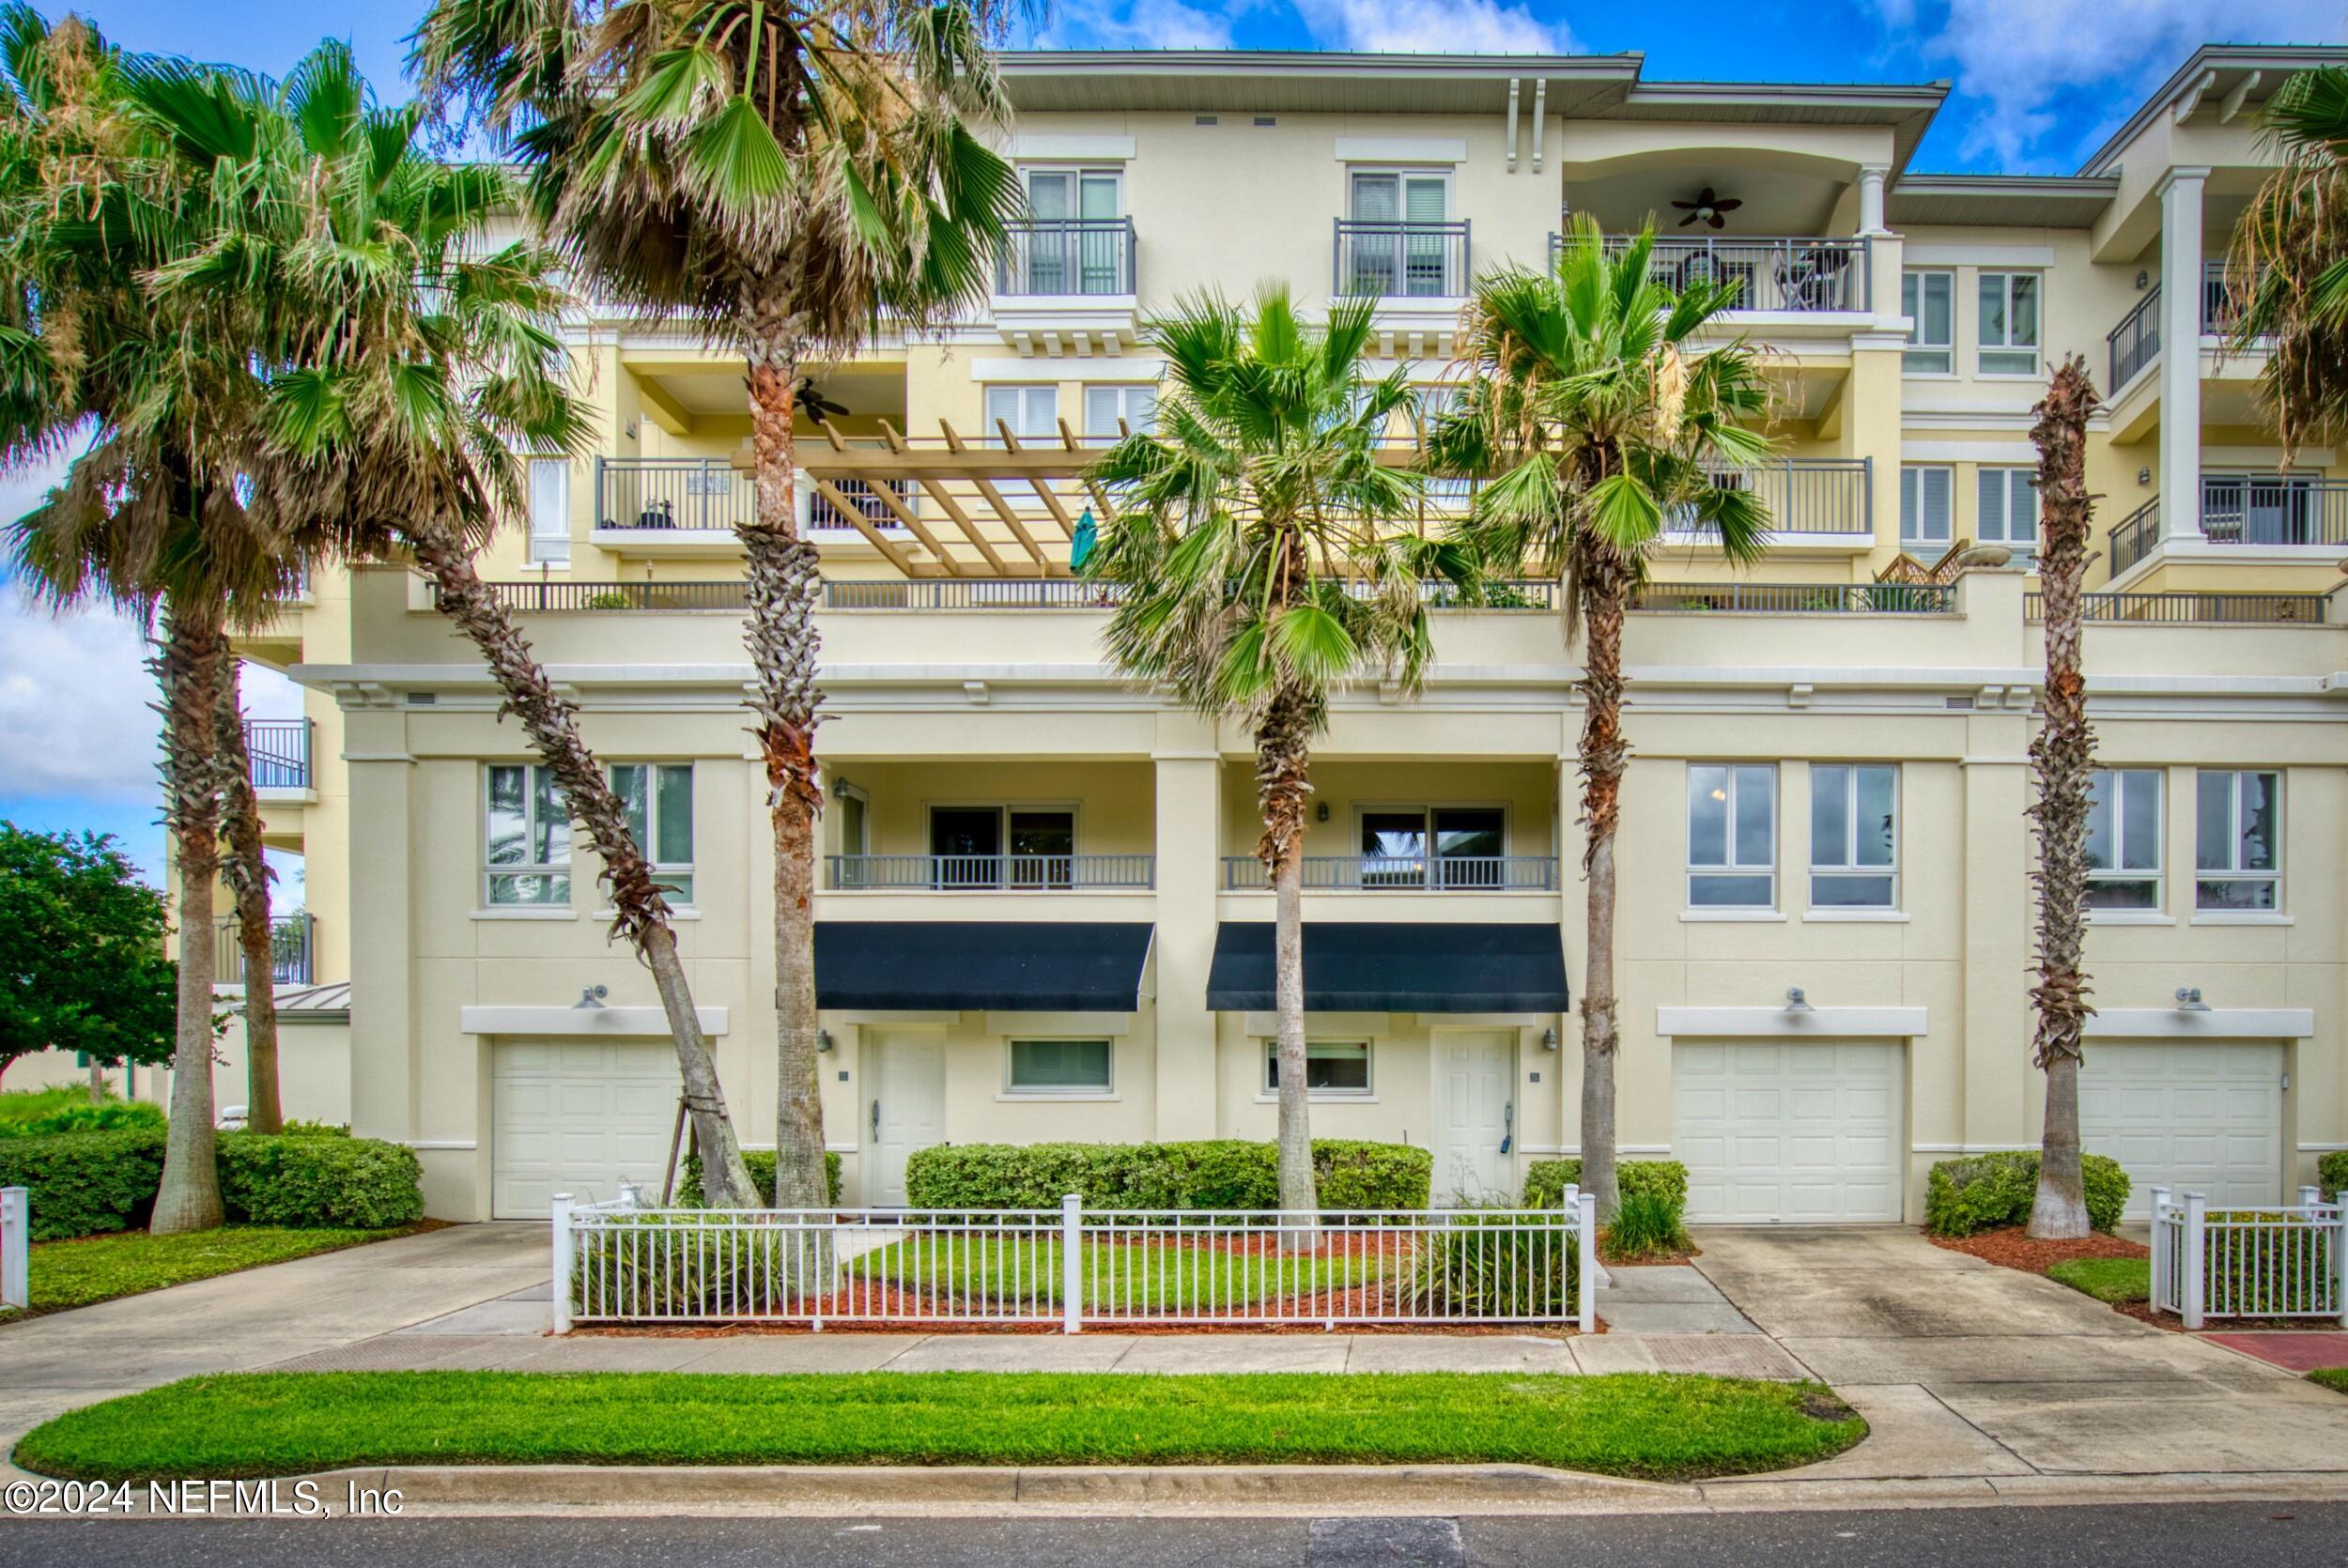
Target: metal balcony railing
1399,259
293,944
822,512
539,596
1014,873
1796,273
280,752
2134,343
1066,256
2272,509
1805,496
2132,537
1422,873
2184,608
661,493
2221,305
1782,598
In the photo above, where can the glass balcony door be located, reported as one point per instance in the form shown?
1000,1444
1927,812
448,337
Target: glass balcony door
1404,258
1066,256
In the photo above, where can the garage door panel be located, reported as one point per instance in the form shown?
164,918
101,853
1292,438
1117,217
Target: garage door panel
2190,1115
1799,1132
577,1116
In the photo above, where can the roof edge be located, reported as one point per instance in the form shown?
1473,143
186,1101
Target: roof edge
2207,57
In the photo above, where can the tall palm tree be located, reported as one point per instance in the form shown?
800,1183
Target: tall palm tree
245,869
777,172
1255,543
2062,755
2287,268
1596,421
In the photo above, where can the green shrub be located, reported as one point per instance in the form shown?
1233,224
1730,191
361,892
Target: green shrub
762,1166
308,1180
82,1183
2332,1172
626,1267
1488,1265
314,1130
79,1115
1647,1224
1546,1180
1213,1173
1982,1192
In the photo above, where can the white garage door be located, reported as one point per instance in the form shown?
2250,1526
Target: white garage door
1796,1133
2197,1117
577,1116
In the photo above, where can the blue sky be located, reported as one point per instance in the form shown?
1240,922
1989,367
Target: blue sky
2038,85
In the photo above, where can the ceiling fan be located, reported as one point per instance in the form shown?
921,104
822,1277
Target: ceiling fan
807,399
1708,208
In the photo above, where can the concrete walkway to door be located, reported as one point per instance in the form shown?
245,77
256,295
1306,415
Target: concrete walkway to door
1966,1369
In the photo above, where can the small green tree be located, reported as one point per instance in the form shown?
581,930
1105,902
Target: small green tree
82,964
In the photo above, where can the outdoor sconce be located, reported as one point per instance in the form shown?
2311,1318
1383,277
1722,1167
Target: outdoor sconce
2144,476
2189,1000
1320,811
1549,1039
591,998
839,787
823,1042
2144,280
1796,1002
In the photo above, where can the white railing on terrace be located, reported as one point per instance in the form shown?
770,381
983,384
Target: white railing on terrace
1072,1267
2278,1262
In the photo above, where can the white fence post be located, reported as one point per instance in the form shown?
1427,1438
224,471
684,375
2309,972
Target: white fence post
2340,1258
16,1248
562,1263
1585,1289
2310,1196
2196,1259
1071,1276
2163,1253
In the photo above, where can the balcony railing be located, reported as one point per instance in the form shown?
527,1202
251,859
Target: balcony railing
1417,873
2134,343
280,752
2132,537
292,941
1066,256
1796,274
822,512
2272,509
2193,608
1783,598
666,493
1400,260
2221,305
1014,873
1805,496
541,596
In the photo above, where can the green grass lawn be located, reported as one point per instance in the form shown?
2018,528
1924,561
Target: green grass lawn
101,1267
1127,1276
1655,1426
2331,1378
2116,1280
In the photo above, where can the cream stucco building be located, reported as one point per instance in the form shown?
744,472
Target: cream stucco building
1829,781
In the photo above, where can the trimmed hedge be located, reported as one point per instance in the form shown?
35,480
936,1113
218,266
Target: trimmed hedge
1223,1173
762,1167
113,1115
1546,1180
84,1183
2332,1172
1982,1192
305,1179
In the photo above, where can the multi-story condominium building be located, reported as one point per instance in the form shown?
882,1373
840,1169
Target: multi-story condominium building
1039,915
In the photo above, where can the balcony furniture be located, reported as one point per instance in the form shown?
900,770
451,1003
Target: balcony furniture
669,494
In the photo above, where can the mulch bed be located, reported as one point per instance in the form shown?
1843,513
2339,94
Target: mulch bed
2012,1248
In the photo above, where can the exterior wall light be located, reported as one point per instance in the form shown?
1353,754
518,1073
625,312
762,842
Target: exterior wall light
1320,811
591,998
1549,1039
822,1041
1796,1002
2189,1000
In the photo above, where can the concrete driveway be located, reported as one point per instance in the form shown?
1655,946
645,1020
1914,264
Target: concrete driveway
1968,1368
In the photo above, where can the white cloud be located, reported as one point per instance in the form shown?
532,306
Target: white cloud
1143,24
75,721
1436,26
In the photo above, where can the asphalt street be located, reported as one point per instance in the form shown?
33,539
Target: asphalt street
2240,1535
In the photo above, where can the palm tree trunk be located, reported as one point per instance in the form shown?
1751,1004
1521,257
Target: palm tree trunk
2063,758
1604,585
191,667
785,651
1283,764
639,913
245,869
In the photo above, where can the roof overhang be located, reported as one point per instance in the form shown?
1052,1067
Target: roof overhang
1303,81
2002,201
2210,75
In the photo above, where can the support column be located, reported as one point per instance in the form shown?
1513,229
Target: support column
1189,843
386,1065
2181,353
1871,178
1997,925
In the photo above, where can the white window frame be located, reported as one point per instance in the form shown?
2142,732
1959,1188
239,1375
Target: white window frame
1076,174
2010,481
674,877
1123,395
1984,347
2233,870
1398,173
1848,868
491,874
1014,1089
1912,482
1019,491
2157,873
1916,358
1731,867
550,535
1268,1087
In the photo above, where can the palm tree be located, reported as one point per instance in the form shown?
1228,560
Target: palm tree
2288,269
2063,758
246,871
777,172
1254,543
1596,423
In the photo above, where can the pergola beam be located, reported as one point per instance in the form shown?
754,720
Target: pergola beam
995,498
962,519
873,536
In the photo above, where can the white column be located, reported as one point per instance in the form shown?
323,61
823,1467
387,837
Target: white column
1189,847
1871,178
2181,353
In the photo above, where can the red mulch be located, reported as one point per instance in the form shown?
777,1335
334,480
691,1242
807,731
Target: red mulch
2009,1248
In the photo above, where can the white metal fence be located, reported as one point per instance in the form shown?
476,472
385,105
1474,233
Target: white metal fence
2282,1262
1072,1266
16,1248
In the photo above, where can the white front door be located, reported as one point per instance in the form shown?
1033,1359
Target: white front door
906,1109
1474,1080
1801,1133
577,1116
2194,1116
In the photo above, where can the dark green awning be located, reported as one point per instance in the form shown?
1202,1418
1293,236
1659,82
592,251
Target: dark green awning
954,965
1397,967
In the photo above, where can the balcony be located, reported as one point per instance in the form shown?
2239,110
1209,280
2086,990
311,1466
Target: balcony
1785,598
2274,512
969,873
691,506
279,749
1793,276
2135,342
1824,502
1418,873
1067,285
2194,608
293,941
941,594
1401,260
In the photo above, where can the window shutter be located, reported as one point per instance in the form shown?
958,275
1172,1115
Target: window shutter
1990,525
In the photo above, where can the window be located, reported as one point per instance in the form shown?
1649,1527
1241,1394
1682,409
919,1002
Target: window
1002,846
658,800
529,834
2009,323
1059,1067
2124,839
1070,247
1110,412
2008,511
550,510
2237,840
1442,846
1331,1067
1928,300
854,810
1854,837
1399,245
1927,498
1732,836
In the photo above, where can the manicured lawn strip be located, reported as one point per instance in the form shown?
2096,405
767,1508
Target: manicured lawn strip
1030,1271
1659,1426
101,1267
2331,1378
2116,1280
